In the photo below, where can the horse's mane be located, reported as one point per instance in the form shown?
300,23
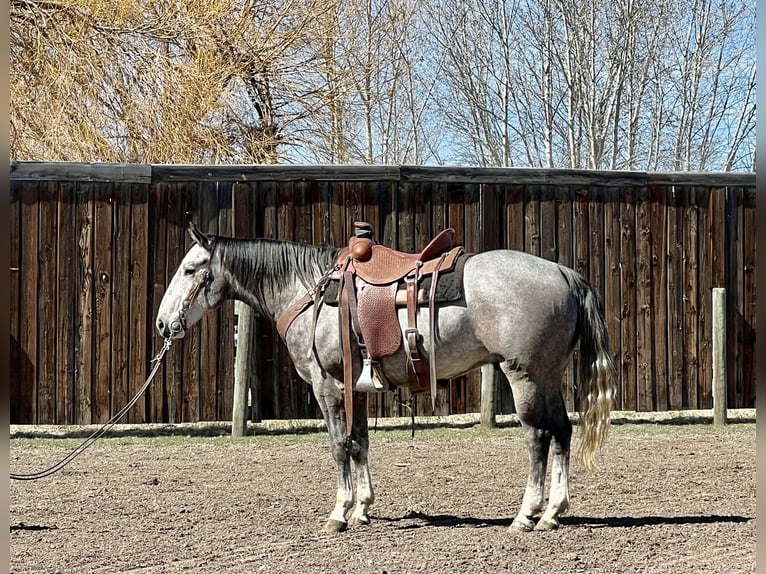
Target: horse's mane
268,265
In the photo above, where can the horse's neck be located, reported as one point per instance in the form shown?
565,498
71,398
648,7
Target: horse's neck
260,291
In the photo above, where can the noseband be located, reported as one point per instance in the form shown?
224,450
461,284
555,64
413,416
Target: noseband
200,281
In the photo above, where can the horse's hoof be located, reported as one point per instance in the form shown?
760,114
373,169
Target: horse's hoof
333,526
359,521
521,525
547,525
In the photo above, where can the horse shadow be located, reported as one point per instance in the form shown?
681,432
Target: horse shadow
415,519
31,527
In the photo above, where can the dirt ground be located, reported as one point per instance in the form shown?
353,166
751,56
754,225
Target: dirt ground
668,499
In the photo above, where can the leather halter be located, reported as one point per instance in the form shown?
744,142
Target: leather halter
200,281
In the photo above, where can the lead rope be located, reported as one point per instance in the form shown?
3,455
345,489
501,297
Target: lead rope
106,426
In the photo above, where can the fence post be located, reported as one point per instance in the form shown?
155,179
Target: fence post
242,369
719,356
488,396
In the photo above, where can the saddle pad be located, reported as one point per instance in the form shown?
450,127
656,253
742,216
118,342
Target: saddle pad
378,320
449,288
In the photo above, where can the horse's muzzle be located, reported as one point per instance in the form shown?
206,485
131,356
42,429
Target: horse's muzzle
170,329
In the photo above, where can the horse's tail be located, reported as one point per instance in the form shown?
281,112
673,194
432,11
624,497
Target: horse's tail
597,372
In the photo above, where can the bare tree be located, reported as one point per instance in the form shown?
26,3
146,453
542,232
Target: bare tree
617,84
161,82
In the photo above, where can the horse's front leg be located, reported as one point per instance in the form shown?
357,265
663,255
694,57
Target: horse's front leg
361,441
334,415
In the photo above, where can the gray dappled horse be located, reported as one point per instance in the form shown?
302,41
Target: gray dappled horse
519,311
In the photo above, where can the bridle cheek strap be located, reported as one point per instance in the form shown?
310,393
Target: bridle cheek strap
200,281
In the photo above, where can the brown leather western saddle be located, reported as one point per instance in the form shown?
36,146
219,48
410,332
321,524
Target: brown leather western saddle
369,276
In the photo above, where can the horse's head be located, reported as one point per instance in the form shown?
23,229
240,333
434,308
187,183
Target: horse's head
194,289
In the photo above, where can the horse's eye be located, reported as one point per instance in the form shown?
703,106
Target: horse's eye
189,271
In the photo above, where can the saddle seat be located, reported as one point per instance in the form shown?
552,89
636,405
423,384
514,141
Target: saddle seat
380,265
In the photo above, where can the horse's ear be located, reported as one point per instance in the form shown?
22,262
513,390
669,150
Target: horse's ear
200,238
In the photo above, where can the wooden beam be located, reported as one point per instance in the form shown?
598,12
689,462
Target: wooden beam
719,356
76,171
146,173
242,368
488,396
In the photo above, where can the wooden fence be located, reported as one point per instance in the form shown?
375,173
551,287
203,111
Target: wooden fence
93,247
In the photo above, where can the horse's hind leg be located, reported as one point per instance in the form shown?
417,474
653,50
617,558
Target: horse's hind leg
558,499
538,443
540,409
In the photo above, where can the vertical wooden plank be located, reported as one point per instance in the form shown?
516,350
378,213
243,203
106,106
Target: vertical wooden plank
645,311
337,197
717,219
690,300
612,300
455,211
532,219
734,294
320,212
372,207
581,231
674,256
658,201
47,314
564,256
705,305
406,197
596,238
120,293
28,337
421,210
354,206
302,213
748,302
514,217
102,319
16,387
388,208
548,224
156,270
627,364
225,379
141,330
439,207
66,292
84,312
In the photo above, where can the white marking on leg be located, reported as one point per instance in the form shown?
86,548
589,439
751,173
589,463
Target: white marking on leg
364,493
558,501
344,498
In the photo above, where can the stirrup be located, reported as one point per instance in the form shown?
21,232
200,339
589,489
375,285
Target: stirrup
367,381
